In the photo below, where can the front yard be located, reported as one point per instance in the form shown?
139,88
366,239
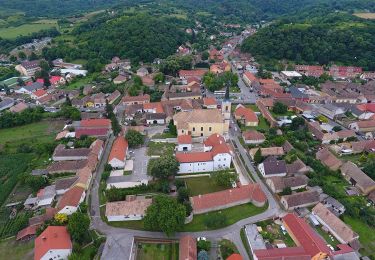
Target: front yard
162,251
159,149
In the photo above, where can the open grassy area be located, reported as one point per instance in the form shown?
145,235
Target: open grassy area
26,29
79,82
253,107
333,242
232,214
16,250
36,132
202,185
262,126
133,224
160,148
366,235
151,251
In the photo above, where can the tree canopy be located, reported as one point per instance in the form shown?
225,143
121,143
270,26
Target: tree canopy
134,138
78,225
164,167
165,214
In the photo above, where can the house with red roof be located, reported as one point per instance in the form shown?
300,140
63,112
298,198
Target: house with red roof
27,233
71,199
228,198
216,155
184,143
39,94
117,157
249,78
135,100
209,102
53,243
246,116
98,127
309,245
197,73
187,248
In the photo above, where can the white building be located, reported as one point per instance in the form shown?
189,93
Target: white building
53,243
216,156
184,143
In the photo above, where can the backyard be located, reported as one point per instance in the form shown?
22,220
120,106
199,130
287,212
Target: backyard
158,149
160,251
202,185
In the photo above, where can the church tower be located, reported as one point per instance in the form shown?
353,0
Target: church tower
226,104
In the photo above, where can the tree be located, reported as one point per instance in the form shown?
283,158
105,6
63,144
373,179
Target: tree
279,140
205,55
164,167
286,191
78,225
165,214
183,194
172,128
297,122
204,245
258,156
36,182
134,138
116,128
337,128
21,55
159,77
61,218
224,178
279,108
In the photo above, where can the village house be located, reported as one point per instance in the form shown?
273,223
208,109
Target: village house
216,156
53,243
331,111
228,198
113,96
300,200
197,73
84,177
134,100
246,116
63,154
28,68
201,122
356,177
93,127
209,103
343,72
328,159
267,151
297,168
155,118
249,78
309,245
277,184
117,156
133,208
63,185
27,233
342,232
21,106
333,205
71,199
272,167
320,134
120,79
363,126
184,143
310,70
142,71
253,137
6,103
29,89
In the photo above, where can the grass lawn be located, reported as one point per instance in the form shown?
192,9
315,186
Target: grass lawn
202,185
160,148
77,83
263,125
25,29
163,136
366,235
326,236
151,251
133,224
288,113
43,131
233,215
253,107
17,250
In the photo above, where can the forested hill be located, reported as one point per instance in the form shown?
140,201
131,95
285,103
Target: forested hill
337,37
237,10
139,38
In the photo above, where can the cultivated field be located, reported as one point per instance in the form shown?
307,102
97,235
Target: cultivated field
365,15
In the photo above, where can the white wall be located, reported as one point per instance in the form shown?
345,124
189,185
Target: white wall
196,167
261,169
68,210
57,254
124,218
222,161
116,163
159,122
180,147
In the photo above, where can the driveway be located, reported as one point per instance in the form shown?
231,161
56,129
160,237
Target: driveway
140,162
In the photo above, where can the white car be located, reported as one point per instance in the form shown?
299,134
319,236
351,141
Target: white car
201,238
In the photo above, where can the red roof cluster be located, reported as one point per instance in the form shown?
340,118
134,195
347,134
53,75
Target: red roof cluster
310,243
246,113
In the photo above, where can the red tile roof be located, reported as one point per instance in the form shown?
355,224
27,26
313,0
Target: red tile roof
157,106
119,149
54,237
184,139
194,157
246,113
267,81
226,197
253,135
221,148
28,231
39,92
187,248
192,73
71,197
288,253
209,101
140,98
101,122
250,76
40,219
213,140
91,132
235,257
